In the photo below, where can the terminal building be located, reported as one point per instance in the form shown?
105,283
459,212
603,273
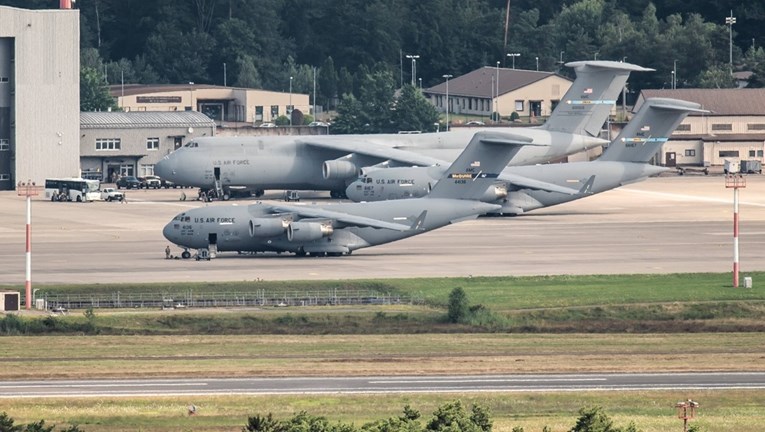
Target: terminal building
116,144
39,94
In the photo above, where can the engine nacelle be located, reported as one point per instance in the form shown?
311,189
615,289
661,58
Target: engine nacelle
495,192
268,227
339,169
308,231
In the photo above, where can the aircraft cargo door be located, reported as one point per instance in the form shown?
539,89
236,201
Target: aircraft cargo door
212,240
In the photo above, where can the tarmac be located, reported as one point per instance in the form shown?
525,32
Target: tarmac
672,224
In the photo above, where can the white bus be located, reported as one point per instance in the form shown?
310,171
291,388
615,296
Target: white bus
72,189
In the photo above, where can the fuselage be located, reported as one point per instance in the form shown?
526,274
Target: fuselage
235,228
401,183
295,162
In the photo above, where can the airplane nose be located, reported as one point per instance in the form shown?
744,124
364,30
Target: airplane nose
171,231
165,169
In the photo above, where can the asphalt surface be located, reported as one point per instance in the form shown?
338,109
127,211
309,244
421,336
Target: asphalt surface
380,385
662,225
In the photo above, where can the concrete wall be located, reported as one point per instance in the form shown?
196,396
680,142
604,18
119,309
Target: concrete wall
45,86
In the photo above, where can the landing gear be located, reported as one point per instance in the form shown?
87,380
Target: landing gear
186,254
338,194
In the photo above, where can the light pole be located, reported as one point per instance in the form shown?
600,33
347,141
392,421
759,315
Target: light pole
191,95
28,190
596,55
561,57
314,93
497,93
420,84
537,59
674,75
289,108
224,75
624,95
514,55
730,21
447,76
414,58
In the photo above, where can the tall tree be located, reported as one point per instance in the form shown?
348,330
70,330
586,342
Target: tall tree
94,95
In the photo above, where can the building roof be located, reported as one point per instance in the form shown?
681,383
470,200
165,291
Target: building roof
135,119
480,82
733,102
117,90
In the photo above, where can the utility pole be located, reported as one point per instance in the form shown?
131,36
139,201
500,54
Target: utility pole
447,76
730,21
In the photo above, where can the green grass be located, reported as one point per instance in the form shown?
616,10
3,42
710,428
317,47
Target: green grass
652,411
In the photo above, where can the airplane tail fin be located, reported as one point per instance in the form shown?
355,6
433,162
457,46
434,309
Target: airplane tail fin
588,102
651,127
479,165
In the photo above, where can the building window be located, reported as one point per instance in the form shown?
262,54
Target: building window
108,144
5,177
722,126
684,127
274,111
690,152
755,126
728,153
3,79
259,113
759,153
146,170
5,145
519,106
152,143
751,153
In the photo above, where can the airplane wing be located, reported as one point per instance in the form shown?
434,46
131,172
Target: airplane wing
348,219
529,183
405,157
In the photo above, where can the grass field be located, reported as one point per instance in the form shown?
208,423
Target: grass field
629,323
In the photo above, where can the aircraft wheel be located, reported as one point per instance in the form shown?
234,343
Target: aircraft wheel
226,197
300,252
258,193
79,198
185,254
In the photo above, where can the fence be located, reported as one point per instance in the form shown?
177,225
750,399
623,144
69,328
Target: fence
258,298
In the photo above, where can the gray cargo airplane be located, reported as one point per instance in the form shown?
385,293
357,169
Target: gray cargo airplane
524,188
224,164
342,228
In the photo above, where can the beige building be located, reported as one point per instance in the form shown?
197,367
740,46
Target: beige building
490,89
222,104
735,128
39,95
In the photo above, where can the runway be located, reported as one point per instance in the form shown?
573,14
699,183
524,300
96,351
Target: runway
382,385
662,225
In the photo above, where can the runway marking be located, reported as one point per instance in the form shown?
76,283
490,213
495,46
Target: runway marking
682,197
437,381
54,385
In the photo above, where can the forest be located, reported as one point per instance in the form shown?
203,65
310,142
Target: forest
262,43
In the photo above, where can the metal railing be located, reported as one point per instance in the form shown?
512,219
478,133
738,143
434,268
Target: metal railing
257,298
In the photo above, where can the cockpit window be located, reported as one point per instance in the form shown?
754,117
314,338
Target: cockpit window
191,144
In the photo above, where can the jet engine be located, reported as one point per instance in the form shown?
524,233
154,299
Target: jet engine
267,227
308,231
339,169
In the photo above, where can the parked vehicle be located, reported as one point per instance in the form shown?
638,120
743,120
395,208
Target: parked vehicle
128,182
111,194
151,182
751,166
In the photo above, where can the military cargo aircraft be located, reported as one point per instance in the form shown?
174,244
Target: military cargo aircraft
221,165
524,188
342,228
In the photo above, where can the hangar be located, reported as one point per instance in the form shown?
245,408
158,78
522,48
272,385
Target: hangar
39,94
